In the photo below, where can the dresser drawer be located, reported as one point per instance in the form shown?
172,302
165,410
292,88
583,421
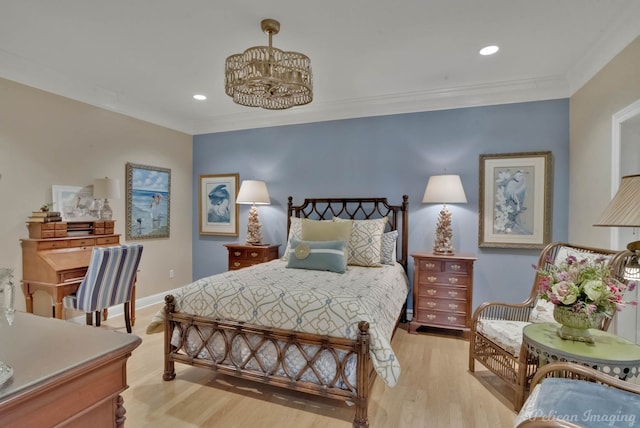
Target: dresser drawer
444,319
456,267
247,253
443,279
446,305
441,292
430,265
239,264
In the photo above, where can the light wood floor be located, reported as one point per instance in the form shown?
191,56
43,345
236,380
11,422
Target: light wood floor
435,390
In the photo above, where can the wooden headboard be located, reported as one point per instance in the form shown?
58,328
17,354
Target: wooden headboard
358,209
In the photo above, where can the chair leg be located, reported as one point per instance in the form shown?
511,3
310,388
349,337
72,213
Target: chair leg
89,317
127,317
98,318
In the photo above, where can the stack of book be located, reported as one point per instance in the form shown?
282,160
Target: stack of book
44,216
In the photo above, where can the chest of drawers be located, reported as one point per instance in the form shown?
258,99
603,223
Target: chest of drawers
241,255
442,291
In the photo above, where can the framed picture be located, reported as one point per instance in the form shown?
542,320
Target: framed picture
218,209
75,203
148,202
515,200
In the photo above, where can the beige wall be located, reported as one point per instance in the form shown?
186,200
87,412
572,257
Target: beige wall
615,87
47,140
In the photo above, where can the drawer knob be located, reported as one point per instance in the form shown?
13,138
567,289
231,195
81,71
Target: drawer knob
431,292
429,265
432,304
453,293
452,319
237,253
453,280
254,254
431,317
432,278
453,306
456,267
236,264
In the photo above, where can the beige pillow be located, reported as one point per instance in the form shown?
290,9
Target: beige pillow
366,241
314,230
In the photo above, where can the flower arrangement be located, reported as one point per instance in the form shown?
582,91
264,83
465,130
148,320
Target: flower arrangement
586,286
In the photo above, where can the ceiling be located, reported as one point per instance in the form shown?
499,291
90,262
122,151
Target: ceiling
147,58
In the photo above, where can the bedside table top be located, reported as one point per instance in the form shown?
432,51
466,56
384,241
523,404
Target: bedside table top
465,256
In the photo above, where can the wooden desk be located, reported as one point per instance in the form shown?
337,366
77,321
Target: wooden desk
58,265
79,387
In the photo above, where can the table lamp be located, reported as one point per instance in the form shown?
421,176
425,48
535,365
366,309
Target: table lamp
624,211
106,188
444,189
253,192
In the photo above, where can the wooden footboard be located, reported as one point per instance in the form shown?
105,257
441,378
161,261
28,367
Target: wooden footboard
272,372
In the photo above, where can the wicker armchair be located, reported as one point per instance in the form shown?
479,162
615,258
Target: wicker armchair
563,409
496,328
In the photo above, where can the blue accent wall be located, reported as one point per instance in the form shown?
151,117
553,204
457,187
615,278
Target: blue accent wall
388,156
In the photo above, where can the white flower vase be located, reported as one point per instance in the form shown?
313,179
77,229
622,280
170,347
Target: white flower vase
575,325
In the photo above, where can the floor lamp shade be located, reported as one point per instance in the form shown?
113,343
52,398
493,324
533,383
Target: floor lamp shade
444,189
253,192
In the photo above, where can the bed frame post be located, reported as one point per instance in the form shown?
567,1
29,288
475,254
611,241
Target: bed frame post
169,364
361,419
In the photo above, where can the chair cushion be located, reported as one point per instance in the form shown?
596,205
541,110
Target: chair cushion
507,334
583,403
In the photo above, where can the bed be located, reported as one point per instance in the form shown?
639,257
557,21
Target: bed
332,344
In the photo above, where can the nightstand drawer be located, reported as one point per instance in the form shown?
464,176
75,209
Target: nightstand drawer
241,256
445,305
444,279
444,319
439,292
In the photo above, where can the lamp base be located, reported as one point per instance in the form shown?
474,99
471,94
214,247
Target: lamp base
254,228
443,244
106,212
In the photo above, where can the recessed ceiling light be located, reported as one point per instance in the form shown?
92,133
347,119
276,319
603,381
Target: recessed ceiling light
489,50
200,97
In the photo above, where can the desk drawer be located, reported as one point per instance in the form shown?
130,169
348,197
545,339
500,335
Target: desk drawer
107,240
52,245
73,274
84,242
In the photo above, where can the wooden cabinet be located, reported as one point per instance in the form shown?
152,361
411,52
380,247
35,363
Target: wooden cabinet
242,255
442,291
62,229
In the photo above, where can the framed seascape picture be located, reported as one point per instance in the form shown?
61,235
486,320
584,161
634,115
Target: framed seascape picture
148,202
218,209
75,203
515,200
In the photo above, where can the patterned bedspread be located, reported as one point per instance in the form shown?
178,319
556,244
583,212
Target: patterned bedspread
326,303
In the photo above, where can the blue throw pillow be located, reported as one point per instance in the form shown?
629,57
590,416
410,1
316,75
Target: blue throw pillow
318,255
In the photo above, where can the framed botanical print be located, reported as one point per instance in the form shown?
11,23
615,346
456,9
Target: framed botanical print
218,209
148,202
515,200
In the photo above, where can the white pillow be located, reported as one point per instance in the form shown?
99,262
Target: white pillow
365,242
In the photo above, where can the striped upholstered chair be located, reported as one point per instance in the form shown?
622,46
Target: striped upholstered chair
108,282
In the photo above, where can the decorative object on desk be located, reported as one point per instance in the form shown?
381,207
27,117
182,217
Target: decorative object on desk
263,76
73,202
45,207
444,189
44,216
104,188
624,211
148,202
515,200
253,192
218,211
585,287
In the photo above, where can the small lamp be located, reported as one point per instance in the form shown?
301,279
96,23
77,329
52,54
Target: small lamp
106,188
444,189
255,193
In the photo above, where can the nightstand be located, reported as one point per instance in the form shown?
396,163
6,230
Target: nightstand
442,291
243,255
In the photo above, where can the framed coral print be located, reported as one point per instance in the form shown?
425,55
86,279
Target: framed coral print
515,200
148,202
218,209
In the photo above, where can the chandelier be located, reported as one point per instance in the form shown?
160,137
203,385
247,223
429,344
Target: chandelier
263,76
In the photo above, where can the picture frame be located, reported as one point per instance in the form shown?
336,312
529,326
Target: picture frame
217,207
148,202
75,203
515,200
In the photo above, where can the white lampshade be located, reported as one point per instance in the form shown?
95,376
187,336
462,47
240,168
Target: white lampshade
444,189
106,188
624,208
253,192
